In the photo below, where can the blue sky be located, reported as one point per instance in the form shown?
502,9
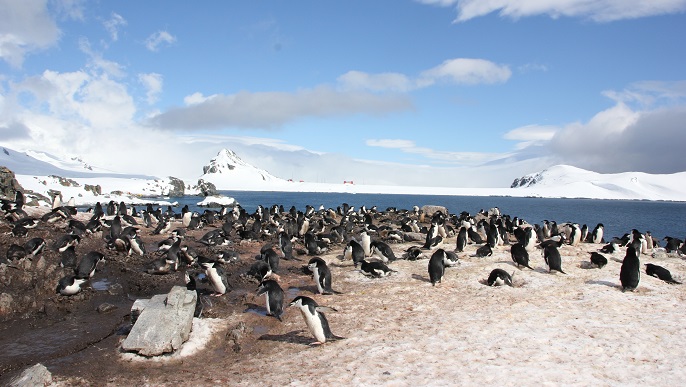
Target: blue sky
430,92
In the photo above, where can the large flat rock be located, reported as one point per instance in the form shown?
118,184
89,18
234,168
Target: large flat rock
163,324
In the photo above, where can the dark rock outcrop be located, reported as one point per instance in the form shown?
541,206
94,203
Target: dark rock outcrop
177,187
206,188
9,184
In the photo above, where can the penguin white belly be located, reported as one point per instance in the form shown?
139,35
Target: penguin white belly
315,326
269,309
318,280
216,281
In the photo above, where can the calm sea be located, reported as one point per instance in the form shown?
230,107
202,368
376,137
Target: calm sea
619,216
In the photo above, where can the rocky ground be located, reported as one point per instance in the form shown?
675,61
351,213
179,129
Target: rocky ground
573,329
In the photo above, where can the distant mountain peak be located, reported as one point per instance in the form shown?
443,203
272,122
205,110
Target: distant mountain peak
227,164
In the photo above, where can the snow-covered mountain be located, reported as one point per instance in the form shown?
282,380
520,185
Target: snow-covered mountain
227,171
46,174
568,181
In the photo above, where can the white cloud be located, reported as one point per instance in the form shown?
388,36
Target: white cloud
267,110
195,98
113,24
462,159
597,10
153,85
25,26
357,80
468,71
154,41
388,143
98,63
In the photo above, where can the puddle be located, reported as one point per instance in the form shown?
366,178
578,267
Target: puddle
257,311
102,284
292,292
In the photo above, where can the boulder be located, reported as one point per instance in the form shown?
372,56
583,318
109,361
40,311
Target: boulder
37,375
9,184
429,210
164,322
206,188
177,188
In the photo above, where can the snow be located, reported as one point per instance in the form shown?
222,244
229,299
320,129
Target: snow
228,172
217,201
550,329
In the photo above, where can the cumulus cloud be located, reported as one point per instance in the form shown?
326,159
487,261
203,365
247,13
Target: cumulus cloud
531,134
267,110
358,80
154,41
466,71
153,86
113,25
597,10
25,26
619,140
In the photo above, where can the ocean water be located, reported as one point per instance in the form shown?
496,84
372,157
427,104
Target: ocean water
618,216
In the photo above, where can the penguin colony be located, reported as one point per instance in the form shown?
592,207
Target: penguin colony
361,239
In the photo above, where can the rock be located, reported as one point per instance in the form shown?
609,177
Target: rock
9,184
37,375
429,210
106,307
177,187
206,188
5,304
163,324
96,189
66,182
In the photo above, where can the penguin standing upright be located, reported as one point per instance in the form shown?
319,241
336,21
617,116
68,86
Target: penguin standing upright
365,242
436,267
321,275
354,252
274,297
216,275
461,239
519,255
630,273
597,234
553,258
314,318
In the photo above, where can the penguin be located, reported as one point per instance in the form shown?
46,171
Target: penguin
661,273
216,276
519,255
321,274
87,265
274,297
65,241
286,245
15,253
598,259
499,277
630,273
365,242
414,253
383,251
313,246
461,239
69,285
484,251
597,234
228,256
354,251
436,267
474,236
68,257
553,259
375,269
270,256
259,270
609,248
314,319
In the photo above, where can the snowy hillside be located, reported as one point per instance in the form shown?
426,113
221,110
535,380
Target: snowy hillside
227,171
568,181
44,174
